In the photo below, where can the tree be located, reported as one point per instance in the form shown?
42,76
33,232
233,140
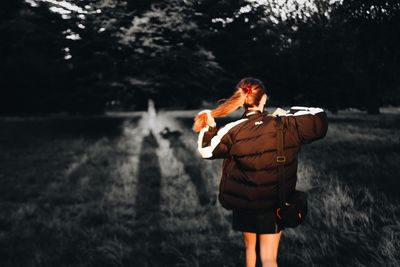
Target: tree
351,58
369,30
162,52
31,63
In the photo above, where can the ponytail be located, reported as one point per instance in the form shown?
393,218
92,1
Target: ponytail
248,93
230,105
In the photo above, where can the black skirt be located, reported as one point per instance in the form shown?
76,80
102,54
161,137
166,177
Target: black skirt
260,222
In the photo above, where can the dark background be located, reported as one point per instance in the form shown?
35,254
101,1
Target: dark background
81,186
97,55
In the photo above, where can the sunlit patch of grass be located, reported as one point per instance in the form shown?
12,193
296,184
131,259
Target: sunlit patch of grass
195,234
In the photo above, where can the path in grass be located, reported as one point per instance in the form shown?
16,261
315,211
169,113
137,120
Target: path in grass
157,206
191,229
139,197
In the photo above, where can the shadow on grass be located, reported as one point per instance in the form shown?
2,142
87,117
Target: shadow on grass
192,166
149,230
148,199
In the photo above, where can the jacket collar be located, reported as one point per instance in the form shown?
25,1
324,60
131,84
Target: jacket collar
248,114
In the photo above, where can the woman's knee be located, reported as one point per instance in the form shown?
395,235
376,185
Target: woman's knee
250,240
269,262
250,244
269,244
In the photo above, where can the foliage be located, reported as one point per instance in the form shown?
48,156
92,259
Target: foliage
31,63
93,55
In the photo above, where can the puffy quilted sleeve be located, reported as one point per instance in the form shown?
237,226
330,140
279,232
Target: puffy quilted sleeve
311,122
215,142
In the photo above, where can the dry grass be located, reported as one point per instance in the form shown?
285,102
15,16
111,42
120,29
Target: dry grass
121,196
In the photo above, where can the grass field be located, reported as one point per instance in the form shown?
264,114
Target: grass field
119,191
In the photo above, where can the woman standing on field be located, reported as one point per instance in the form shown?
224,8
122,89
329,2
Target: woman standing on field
249,180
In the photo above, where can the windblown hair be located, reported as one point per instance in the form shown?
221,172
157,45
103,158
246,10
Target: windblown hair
248,93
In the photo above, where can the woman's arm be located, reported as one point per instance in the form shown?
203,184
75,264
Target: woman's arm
311,122
215,141
209,144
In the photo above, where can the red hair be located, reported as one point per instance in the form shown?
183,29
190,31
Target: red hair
248,93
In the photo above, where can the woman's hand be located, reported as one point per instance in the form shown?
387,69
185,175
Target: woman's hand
210,120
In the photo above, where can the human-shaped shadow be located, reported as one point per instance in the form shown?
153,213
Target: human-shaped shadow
149,230
148,199
191,165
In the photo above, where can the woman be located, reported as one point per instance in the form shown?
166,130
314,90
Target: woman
249,171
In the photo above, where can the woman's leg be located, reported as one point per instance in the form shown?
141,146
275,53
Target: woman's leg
250,244
269,244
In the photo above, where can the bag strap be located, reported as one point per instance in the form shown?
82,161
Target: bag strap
280,160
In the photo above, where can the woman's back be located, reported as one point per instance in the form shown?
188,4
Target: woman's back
249,182
248,147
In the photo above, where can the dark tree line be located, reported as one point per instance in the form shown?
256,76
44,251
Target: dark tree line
117,54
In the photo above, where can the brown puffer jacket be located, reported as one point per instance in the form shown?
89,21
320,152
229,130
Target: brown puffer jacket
249,170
